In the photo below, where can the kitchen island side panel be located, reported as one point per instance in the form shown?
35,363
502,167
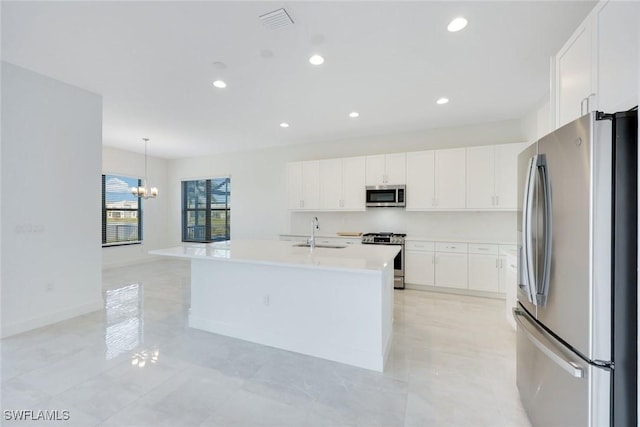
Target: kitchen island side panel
342,316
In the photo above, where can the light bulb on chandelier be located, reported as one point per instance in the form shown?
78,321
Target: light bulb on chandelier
142,191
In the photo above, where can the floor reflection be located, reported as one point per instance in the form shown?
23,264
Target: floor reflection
124,329
141,357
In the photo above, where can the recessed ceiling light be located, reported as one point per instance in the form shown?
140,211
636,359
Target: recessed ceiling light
442,101
457,24
354,114
316,60
219,84
284,125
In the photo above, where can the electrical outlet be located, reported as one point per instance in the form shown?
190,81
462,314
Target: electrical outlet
50,287
266,300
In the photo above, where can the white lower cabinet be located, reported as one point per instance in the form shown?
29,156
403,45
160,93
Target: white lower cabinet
451,265
472,266
451,270
484,273
419,261
484,268
442,264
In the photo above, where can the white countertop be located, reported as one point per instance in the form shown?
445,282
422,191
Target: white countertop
321,236
458,240
357,258
413,238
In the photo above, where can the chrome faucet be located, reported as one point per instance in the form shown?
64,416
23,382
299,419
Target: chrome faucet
315,225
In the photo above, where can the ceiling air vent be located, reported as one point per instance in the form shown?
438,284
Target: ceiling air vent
276,19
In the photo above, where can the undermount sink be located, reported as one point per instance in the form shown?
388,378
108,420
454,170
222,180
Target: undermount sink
319,245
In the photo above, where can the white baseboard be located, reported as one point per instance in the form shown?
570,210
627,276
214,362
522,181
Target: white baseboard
456,291
9,329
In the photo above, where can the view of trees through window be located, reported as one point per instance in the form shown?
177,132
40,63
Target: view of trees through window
121,211
206,210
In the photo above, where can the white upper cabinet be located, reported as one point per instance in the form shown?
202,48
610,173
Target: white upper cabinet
481,177
597,68
331,184
311,185
303,185
618,43
386,169
436,179
575,82
294,185
342,184
450,178
353,183
492,176
421,186
506,178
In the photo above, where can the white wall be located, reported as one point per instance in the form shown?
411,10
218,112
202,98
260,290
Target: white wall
490,226
258,185
537,123
51,154
154,211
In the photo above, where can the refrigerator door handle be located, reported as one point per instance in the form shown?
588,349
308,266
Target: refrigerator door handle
543,291
529,280
538,339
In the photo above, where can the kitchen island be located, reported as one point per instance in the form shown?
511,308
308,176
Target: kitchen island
332,303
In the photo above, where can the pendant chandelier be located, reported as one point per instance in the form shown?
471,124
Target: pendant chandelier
142,191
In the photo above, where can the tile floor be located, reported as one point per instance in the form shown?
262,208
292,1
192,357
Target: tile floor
136,363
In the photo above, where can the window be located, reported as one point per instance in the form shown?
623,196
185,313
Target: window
206,210
121,211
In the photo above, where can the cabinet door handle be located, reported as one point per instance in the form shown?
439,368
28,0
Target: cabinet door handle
493,200
497,200
496,262
588,98
433,259
584,100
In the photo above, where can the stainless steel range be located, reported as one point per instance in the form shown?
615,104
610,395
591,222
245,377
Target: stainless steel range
398,262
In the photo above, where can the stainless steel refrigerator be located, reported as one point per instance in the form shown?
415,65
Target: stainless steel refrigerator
577,302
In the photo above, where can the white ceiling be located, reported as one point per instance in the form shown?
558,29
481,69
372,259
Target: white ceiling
154,63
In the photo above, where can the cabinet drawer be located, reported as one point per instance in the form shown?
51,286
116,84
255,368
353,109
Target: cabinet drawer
451,247
420,246
483,249
508,250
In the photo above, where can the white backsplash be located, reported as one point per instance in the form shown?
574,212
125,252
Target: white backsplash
492,226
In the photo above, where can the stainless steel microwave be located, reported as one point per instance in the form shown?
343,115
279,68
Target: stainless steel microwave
386,196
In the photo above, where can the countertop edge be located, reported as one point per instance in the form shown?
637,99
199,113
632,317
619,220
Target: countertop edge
174,252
